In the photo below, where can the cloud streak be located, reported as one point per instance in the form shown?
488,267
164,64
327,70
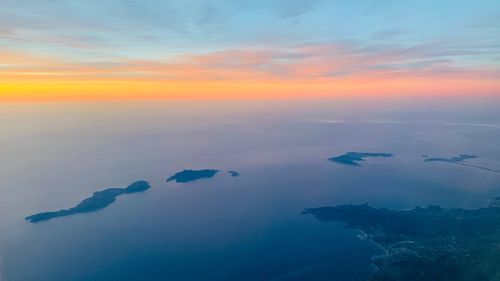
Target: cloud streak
336,46
298,62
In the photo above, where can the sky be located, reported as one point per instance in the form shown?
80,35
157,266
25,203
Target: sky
120,49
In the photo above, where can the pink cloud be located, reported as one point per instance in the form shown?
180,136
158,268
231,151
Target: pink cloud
300,62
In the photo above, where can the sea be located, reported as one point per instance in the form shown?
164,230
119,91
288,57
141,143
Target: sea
250,227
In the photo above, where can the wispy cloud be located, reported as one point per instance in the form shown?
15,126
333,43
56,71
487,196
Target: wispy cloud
310,61
340,45
384,35
296,8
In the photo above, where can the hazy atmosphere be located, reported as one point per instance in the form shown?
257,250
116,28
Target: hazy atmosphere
270,140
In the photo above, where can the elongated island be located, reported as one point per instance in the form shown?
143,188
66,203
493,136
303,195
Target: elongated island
99,200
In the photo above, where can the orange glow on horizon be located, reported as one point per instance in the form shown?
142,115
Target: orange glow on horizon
236,74
41,90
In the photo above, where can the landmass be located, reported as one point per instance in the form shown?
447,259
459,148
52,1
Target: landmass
192,175
234,173
99,200
427,244
352,158
459,160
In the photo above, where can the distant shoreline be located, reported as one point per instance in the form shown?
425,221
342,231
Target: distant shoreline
445,242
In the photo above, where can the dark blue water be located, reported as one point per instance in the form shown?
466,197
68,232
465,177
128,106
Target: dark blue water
248,227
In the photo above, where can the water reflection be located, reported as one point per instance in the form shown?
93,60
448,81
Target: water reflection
55,154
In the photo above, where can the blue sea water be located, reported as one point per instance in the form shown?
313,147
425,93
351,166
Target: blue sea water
250,227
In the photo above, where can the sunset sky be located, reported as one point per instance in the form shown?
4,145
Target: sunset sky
122,49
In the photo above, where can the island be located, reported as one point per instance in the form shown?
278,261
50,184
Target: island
234,173
459,160
431,243
99,200
192,175
352,158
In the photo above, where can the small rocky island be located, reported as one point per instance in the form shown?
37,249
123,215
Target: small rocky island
427,244
459,160
192,175
185,176
99,200
352,158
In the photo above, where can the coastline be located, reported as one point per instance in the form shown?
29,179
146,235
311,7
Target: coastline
434,241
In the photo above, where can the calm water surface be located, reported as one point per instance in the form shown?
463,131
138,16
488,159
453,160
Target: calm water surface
53,155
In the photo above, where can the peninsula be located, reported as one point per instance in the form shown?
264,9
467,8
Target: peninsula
457,159
431,243
460,160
